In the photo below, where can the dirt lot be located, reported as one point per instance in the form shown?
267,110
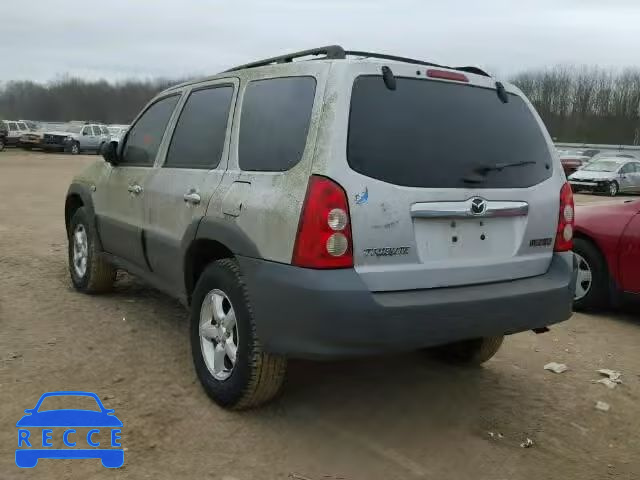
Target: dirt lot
384,418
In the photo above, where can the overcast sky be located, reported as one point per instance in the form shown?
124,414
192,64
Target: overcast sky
118,39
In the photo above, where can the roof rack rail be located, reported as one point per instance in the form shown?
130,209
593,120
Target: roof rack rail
383,56
331,52
355,53
336,52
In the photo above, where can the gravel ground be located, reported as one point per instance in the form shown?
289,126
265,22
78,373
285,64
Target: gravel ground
383,418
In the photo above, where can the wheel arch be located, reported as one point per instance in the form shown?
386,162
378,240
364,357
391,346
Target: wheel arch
78,196
610,263
208,240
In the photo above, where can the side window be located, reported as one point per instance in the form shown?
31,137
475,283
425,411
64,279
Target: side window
198,139
13,127
145,136
105,130
23,127
96,131
275,122
636,167
87,131
628,168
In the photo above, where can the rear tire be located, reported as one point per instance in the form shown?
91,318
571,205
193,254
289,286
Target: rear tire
253,377
468,352
95,274
594,292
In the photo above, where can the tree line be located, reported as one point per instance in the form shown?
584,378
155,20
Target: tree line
69,99
586,104
577,104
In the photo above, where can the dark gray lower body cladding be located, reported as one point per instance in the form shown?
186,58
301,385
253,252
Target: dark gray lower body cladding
303,313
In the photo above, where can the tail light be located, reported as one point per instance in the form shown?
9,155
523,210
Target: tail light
564,234
324,233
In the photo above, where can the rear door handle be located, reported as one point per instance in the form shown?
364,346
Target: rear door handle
192,198
135,189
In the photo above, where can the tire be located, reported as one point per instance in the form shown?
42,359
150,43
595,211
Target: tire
74,149
2,144
596,294
468,352
98,275
256,377
613,188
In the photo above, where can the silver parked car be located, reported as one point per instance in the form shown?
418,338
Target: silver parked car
117,131
608,175
76,138
330,208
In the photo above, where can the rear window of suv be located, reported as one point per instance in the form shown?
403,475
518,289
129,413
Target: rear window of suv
433,134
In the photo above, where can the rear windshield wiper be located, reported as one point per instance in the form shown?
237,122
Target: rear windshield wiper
479,173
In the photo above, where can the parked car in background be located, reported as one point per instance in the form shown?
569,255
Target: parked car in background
117,131
32,125
240,197
31,140
77,138
608,175
3,135
607,248
571,163
15,129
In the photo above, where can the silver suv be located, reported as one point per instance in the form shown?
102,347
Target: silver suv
76,137
332,208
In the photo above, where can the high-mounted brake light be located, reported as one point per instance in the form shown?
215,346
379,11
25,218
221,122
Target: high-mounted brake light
324,233
445,75
566,218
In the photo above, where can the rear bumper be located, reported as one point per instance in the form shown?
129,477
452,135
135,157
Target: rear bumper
305,313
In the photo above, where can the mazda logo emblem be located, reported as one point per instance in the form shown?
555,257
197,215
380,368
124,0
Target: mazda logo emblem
478,206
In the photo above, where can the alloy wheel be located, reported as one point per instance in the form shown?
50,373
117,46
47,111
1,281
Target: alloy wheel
584,278
218,334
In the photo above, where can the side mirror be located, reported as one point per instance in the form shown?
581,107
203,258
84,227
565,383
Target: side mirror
110,152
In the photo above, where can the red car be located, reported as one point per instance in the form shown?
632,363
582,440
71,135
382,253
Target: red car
607,248
571,163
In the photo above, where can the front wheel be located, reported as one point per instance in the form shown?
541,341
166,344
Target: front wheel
75,148
90,273
228,358
613,188
1,144
469,352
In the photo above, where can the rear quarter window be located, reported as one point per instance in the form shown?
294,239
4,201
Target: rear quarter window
275,122
433,134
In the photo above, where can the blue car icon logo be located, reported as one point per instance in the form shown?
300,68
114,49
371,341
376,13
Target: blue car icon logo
72,429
